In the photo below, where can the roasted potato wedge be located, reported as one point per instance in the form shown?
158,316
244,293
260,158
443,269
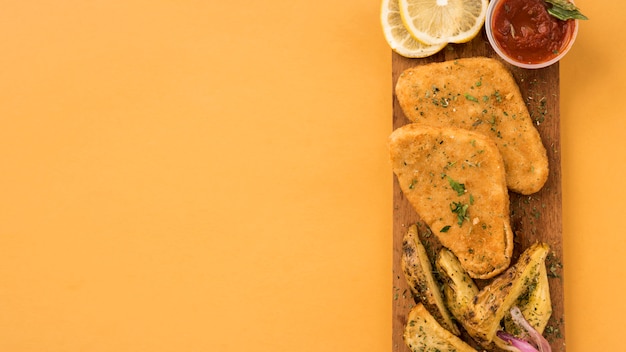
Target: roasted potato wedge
459,288
535,304
419,274
423,333
494,301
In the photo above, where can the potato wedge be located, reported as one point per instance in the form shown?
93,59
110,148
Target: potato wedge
482,318
423,333
459,288
419,274
535,304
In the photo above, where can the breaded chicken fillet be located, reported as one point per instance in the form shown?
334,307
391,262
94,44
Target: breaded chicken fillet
478,94
455,181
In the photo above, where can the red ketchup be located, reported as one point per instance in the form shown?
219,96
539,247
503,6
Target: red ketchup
527,33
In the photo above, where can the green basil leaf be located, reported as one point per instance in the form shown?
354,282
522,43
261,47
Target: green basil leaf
565,10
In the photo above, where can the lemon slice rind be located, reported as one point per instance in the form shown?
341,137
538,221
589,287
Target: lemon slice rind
399,38
435,22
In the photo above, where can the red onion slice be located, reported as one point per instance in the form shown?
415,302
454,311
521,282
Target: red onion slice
539,343
542,344
518,343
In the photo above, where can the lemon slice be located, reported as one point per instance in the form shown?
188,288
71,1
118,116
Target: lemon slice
443,21
398,37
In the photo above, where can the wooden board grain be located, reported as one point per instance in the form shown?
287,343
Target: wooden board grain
535,217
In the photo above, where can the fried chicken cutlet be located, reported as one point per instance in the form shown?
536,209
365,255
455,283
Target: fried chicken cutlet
478,94
455,181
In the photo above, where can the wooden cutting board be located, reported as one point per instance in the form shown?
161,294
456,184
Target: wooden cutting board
535,217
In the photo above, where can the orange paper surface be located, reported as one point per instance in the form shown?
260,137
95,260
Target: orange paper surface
207,176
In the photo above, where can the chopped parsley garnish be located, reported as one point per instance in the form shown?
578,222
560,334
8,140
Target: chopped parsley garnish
497,95
458,187
471,98
460,210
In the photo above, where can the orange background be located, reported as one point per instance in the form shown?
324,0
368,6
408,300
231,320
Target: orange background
212,176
